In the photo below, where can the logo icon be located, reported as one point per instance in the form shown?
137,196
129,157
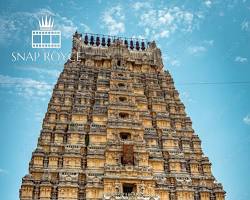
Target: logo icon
46,37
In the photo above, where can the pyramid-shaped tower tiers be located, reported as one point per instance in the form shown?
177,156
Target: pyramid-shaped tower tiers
116,129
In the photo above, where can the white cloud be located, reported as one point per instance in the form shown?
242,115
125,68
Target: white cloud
208,3
209,42
161,23
139,5
47,72
66,26
3,171
17,26
86,28
161,34
202,47
175,62
26,87
39,116
246,119
171,61
196,49
113,20
6,29
165,17
186,96
240,59
245,25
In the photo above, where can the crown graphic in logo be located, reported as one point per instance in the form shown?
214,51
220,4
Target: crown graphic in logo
46,37
46,24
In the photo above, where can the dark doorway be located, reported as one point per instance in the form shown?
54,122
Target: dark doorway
128,188
125,136
124,115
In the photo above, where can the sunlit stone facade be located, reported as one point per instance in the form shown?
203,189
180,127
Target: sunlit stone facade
115,128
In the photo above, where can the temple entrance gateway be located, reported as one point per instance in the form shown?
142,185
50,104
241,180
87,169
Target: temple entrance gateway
115,128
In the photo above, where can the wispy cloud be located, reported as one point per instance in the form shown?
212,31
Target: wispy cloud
26,87
208,3
245,25
200,48
208,42
186,96
85,27
194,50
175,62
113,20
3,171
17,26
42,71
66,26
39,116
7,27
246,119
139,5
161,23
240,59
171,61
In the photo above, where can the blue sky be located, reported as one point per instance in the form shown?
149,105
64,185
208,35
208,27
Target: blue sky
205,45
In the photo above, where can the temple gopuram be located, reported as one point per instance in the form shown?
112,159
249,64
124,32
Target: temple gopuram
116,129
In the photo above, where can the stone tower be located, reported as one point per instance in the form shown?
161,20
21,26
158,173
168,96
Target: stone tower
116,129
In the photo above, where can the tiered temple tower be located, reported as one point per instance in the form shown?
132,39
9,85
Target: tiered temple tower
116,129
